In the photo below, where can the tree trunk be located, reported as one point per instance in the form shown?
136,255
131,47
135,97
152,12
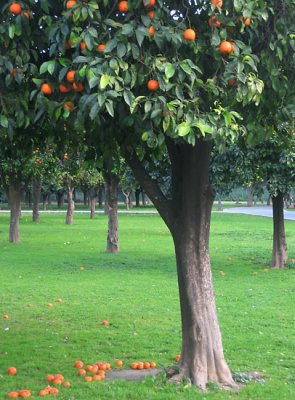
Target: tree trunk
44,200
15,193
85,197
49,200
143,198
100,196
130,200
250,196
279,250
28,199
71,204
60,198
137,196
219,204
188,217
111,193
36,196
92,201
268,200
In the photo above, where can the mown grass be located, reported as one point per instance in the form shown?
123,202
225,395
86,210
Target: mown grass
137,293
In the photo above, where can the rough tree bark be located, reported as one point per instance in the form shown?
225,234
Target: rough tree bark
137,197
250,197
111,194
15,193
85,196
36,196
143,196
28,198
279,250
71,204
130,200
188,216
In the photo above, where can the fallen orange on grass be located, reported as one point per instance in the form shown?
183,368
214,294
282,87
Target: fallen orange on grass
105,323
24,393
67,384
13,395
5,317
78,364
49,378
12,371
119,363
178,357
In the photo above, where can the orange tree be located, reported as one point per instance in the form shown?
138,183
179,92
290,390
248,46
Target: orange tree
157,77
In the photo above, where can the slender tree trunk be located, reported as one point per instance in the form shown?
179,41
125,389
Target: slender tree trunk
279,252
44,201
85,197
219,204
111,193
36,196
188,216
130,200
92,201
15,193
60,198
143,196
137,197
126,195
250,196
28,198
268,200
100,196
75,196
49,201
71,204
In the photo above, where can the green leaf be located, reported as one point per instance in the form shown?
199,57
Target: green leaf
169,70
104,81
128,97
11,31
44,67
3,121
51,67
121,50
111,45
184,65
140,35
110,108
184,129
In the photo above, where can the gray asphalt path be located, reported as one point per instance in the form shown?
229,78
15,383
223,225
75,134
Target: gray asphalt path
262,211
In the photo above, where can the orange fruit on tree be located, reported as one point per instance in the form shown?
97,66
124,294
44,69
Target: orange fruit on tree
46,89
152,31
78,87
83,46
13,73
78,364
70,4
69,106
12,371
119,363
15,8
217,3
68,44
71,76
101,47
247,21
67,384
153,85
24,393
150,4
213,22
13,395
225,48
153,364
123,6
49,378
27,15
189,35
151,14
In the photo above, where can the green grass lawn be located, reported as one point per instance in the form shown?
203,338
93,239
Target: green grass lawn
136,291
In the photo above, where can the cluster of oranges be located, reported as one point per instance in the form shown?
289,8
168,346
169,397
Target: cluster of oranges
96,370
16,9
143,365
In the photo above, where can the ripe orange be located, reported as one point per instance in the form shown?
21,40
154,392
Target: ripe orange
50,305
88,378
97,378
101,47
123,6
78,364
231,82
57,381
152,31
67,384
46,89
78,87
12,371
151,14
15,8
59,300
153,85
5,317
81,372
189,35
105,323
212,22
43,392
119,363
134,365
13,395
83,46
225,48
49,378
150,4
146,365
140,365
71,4
217,3
54,391
13,73
108,366
247,21
222,273
69,106
101,373
24,393
89,368
27,15
59,376
153,364
68,44
71,76
177,358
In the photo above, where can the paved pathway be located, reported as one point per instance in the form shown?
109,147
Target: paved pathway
262,211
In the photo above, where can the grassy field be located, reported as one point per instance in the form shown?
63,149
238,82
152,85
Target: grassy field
136,292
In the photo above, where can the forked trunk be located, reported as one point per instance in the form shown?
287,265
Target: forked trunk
36,197
15,192
188,216
111,193
279,251
71,204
